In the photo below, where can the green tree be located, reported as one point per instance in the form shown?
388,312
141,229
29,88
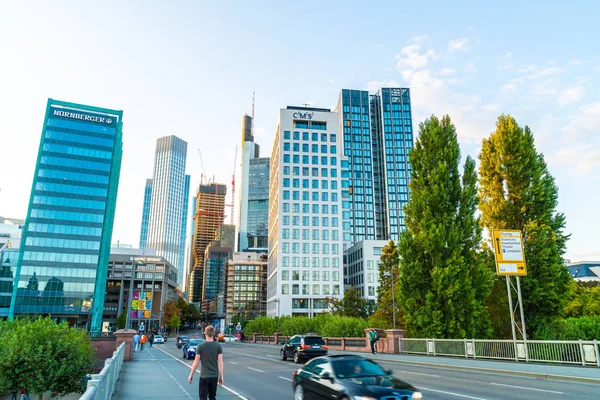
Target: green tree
584,299
121,320
41,356
389,268
443,285
351,305
516,191
183,309
193,312
175,322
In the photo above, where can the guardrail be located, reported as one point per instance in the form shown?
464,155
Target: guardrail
102,386
578,352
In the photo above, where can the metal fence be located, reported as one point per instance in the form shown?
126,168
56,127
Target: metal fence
579,352
102,386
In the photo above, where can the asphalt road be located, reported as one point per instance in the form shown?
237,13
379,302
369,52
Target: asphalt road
256,373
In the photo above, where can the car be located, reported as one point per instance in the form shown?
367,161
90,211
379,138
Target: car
348,377
159,339
227,338
303,347
189,349
181,341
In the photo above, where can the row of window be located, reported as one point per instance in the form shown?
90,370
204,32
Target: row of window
314,136
67,287
60,257
72,176
317,289
81,126
317,304
285,262
285,234
68,202
323,248
306,196
65,229
73,189
324,172
306,276
63,243
306,221
287,146
28,271
306,159
306,184
77,151
306,208
74,136
67,215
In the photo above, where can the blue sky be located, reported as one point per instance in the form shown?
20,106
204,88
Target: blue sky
190,68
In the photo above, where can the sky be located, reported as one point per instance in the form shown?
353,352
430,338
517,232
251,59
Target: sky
189,68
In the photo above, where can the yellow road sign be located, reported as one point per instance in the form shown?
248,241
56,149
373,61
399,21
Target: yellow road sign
509,252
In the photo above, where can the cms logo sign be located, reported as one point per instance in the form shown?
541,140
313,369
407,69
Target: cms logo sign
303,115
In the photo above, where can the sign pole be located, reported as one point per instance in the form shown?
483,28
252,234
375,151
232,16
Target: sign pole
523,332
510,305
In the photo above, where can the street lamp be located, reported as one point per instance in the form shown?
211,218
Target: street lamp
277,301
390,275
130,297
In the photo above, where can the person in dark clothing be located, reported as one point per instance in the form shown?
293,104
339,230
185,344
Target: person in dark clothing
210,353
373,340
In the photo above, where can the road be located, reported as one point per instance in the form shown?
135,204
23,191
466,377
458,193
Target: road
256,373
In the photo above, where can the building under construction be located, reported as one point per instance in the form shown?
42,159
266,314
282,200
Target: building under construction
210,213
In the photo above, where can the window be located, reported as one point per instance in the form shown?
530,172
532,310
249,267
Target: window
286,146
325,275
315,276
285,289
315,289
286,134
286,158
285,275
332,150
295,289
306,276
285,233
305,289
295,275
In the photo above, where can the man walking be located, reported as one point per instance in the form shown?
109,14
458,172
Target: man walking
210,353
136,342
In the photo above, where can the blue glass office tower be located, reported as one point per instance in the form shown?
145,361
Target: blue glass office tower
146,214
184,219
65,250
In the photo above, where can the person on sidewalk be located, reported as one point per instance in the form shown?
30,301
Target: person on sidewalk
210,353
373,340
151,338
136,342
143,339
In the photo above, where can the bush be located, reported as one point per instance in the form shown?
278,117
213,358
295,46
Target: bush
326,325
584,328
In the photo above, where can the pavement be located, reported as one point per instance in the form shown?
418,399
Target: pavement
255,372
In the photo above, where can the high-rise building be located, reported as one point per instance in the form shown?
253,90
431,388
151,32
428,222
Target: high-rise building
254,193
217,253
305,240
246,286
146,214
210,212
184,224
167,215
65,250
11,231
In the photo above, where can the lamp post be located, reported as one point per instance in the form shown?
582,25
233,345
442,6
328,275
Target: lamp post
130,297
277,301
390,275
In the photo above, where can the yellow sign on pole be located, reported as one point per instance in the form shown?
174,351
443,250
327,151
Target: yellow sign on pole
509,252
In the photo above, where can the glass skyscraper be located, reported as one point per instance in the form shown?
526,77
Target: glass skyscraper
184,223
146,214
65,251
168,196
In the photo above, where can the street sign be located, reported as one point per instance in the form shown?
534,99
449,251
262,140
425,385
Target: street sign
509,252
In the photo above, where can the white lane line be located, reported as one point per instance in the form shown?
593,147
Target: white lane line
453,394
283,377
527,388
416,373
172,377
254,369
231,362
198,372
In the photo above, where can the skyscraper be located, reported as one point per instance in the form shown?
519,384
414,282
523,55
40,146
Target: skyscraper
305,241
254,193
167,216
184,223
210,211
217,253
146,214
63,261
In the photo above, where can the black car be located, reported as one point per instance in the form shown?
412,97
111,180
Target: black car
349,377
303,347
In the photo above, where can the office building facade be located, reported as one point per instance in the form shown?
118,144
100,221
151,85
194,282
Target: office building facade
168,194
11,231
181,266
210,212
216,256
65,250
246,286
361,267
305,240
254,194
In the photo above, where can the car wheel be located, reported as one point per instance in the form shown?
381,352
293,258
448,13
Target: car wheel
299,392
296,357
283,356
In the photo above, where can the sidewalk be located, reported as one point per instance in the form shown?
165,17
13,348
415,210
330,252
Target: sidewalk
532,370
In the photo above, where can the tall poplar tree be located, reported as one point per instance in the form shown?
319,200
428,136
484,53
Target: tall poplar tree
516,191
389,264
443,284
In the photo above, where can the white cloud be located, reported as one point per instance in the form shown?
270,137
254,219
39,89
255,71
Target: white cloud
471,67
580,159
458,44
588,118
570,95
546,72
471,29
420,39
491,107
505,56
579,62
509,88
447,71
373,86
412,57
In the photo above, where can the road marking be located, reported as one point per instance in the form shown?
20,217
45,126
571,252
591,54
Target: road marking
453,394
198,372
172,377
254,369
283,377
417,373
231,362
527,388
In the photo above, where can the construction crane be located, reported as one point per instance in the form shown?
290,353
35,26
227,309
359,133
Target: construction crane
232,205
203,173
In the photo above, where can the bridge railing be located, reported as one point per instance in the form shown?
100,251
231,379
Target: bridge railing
102,386
578,352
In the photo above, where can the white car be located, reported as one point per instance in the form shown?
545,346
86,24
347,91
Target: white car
159,339
230,338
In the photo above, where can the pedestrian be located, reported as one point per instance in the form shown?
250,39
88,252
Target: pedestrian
14,396
373,340
143,339
136,342
151,339
210,353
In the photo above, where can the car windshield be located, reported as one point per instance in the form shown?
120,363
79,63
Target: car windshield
311,341
158,337
184,338
195,342
356,367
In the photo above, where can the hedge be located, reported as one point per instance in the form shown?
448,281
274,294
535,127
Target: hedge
324,324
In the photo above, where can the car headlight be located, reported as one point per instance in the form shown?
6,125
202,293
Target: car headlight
417,396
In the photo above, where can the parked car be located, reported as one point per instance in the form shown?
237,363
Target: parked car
159,339
189,349
181,341
303,347
227,338
349,377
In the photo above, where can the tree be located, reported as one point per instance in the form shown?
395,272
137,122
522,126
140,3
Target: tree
183,309
41,356
516,191
442,282
174,322
170,310
121,320
193,312
388,271
351,305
